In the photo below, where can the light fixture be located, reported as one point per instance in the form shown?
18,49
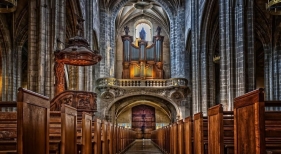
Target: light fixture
216,59
273,7
8,6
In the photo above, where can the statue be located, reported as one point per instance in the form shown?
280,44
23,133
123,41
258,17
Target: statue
159,70
80,26
126,70
142,34
126,29
158,30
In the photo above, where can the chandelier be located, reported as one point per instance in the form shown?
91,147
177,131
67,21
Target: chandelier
8,6
273,7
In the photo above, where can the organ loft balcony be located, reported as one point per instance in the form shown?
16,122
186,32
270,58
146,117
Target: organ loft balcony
142,78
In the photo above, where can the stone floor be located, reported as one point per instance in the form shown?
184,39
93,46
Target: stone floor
144,146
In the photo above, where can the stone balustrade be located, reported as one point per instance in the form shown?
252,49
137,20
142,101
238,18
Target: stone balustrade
173,82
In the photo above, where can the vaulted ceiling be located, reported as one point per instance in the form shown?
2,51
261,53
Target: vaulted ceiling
141,8
111,3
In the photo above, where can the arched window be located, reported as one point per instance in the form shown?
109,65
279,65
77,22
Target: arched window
146,28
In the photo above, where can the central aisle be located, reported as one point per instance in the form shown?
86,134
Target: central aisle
143,147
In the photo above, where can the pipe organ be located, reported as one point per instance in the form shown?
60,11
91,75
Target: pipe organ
142,61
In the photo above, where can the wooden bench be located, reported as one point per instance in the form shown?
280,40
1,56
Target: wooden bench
220,130
97,136
33,113
180,137
8,128
84,134
188,134
200,133
63,133
26,130
104,140
256,130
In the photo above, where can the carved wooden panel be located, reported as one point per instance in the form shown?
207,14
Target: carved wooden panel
143,120
81,100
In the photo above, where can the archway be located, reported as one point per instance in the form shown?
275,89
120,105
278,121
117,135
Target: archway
143,116
167,108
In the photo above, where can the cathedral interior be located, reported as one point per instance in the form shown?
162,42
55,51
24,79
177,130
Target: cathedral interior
153,61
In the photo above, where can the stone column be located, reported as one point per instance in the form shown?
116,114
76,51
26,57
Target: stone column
195,61
32,46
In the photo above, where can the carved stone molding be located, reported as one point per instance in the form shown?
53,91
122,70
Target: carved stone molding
108,94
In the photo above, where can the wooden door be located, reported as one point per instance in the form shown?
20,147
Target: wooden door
143,120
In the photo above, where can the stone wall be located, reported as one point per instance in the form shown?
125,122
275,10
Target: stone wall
235,25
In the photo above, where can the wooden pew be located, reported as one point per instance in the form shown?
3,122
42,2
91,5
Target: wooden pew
68,130
180,137
63,130
86,133
200,133
220,130
97,136
55,132
8,128
8,106
104,141
255,130
110,138
188,135
33,113
114,144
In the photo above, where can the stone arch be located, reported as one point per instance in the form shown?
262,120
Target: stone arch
262,30
129,104
170,102
209,40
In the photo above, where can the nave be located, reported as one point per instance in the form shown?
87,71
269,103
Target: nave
143,146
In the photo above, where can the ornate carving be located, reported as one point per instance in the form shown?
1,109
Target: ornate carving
177,97
8,134
82,100
68,99
59,77
107,95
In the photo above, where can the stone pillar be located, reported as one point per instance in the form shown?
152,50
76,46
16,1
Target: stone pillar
32,46
227,57
89,36
196,99
240,47
57,31
105,48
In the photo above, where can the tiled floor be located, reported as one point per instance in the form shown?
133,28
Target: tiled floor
143,147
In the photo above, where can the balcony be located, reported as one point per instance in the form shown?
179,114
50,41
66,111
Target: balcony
156,83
